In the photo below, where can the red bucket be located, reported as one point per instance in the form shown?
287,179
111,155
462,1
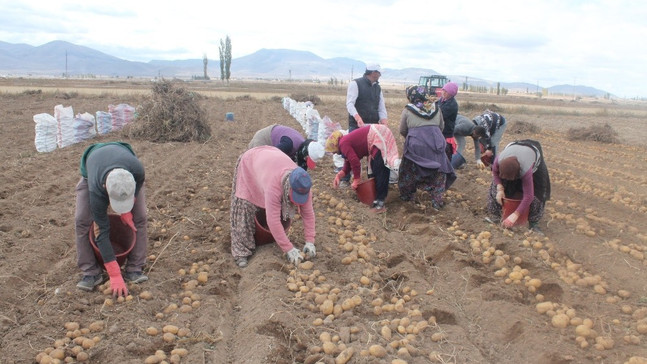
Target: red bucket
509,206
366,191
262,234
122,239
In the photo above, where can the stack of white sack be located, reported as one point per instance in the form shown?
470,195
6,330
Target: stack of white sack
65,119
46,131
84,127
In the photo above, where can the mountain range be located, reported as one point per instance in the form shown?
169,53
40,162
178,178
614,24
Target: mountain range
58,58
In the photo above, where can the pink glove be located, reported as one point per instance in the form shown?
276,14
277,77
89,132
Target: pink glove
511,220
338,178
117,283
359,120
127,219
356,182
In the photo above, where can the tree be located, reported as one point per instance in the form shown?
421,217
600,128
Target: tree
225,59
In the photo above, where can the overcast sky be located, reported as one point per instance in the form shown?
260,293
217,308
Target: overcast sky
597,43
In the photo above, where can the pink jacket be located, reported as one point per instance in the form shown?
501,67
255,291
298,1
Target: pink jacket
258,181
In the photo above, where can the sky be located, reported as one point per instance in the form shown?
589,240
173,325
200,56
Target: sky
597,43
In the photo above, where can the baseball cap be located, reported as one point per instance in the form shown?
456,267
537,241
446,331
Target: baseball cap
121,190
374,67
300,183
315,153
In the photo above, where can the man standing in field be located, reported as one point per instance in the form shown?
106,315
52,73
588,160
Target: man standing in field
111,175
365,102
364,99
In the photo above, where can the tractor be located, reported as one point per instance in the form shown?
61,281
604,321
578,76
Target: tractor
433,84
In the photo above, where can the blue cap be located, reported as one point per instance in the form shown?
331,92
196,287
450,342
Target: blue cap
300,182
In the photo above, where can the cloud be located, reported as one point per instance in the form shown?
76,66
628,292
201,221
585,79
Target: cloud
595,42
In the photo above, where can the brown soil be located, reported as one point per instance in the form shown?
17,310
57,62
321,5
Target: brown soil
427,267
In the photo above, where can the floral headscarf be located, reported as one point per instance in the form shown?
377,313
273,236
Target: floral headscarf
420,102
332,143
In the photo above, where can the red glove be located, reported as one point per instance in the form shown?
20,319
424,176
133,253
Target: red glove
356,182
338,178
117,283
127,219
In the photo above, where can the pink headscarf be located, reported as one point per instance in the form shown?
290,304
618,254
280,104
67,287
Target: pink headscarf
451,88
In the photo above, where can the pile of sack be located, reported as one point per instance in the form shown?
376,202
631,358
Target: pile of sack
63,128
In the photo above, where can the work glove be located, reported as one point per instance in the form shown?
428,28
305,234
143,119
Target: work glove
338,178
500,194
310,250
359,120
117,283
127,219
511,220
480,164
294,256
356,182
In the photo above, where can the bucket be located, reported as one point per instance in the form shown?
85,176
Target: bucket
262,234
122,239
509,206
457,160
366,191
229,116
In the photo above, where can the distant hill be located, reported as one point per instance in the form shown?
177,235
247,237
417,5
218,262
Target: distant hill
56,58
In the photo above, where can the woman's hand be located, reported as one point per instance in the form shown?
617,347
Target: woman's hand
511,220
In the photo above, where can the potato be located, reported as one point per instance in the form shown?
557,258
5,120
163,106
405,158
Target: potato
344,356
153,359
71,326
377,351
386,332
82,356
544,307
437,336
329,347
182,352
57,354
152,331
560,320
170,329
327,307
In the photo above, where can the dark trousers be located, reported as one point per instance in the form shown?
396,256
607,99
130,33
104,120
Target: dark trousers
381,174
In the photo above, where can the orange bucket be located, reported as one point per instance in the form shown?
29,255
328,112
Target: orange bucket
262,234
366,191
122,239
509,206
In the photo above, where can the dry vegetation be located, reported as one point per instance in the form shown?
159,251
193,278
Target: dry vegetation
171,114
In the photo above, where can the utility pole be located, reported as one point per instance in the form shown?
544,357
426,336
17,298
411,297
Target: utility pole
65,63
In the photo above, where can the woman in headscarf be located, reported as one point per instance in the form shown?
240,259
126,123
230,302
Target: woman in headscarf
449,108
266,178
376,142
424,162
520,170
305,152
489,130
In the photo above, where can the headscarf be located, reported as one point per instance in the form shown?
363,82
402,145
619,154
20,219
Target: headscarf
420,103
332,143
509,168
451,88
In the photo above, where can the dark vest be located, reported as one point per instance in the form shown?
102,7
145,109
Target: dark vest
367,103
